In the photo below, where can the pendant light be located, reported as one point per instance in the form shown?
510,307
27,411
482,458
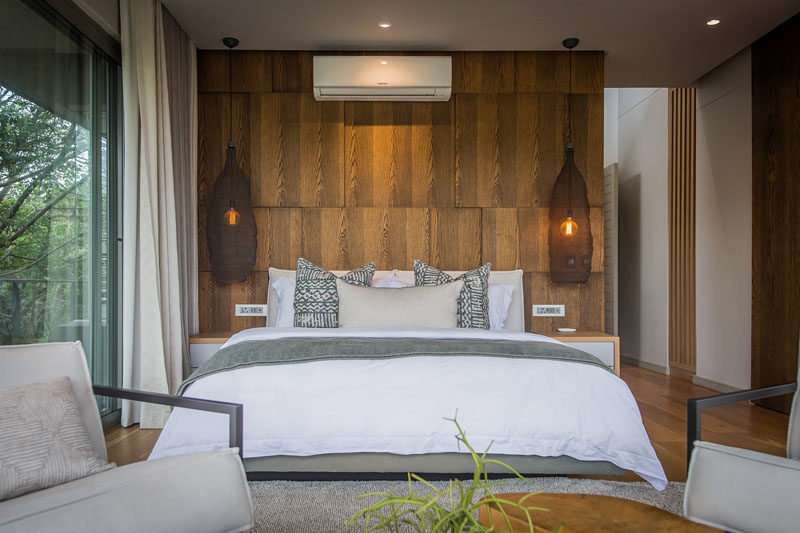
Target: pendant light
569,228
232,216
570,232
230,221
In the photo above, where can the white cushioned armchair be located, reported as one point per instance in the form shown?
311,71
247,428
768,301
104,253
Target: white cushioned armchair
741,490
196,492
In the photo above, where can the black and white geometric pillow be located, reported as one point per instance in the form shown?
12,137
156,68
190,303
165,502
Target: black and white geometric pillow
316,301
473,303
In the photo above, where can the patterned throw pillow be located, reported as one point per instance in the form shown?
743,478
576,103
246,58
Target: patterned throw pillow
316,301
43,442
473,304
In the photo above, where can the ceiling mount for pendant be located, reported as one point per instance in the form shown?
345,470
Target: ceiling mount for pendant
570,43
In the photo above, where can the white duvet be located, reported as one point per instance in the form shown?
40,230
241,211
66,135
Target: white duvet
526,407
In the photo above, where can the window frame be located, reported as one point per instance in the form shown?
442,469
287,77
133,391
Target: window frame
105,93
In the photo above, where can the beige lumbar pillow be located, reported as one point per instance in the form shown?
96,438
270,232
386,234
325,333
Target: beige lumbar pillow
410,307
43,442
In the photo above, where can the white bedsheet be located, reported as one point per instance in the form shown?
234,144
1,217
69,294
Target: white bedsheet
527,407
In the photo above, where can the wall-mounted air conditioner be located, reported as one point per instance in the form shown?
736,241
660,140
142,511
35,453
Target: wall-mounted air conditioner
393,78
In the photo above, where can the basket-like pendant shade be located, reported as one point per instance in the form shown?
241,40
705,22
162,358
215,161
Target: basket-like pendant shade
231,247
570,255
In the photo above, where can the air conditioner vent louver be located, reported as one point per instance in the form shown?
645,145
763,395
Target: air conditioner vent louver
392,78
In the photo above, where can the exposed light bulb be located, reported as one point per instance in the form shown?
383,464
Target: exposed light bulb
569,228
232,216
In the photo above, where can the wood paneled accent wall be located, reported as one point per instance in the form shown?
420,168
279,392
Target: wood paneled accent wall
776,207
455,183
682,171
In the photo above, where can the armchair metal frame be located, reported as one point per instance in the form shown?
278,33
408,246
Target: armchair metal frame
233,410
694,406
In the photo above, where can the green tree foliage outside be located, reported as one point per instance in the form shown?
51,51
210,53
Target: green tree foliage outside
45,193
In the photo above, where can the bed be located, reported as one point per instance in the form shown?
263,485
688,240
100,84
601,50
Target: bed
364,417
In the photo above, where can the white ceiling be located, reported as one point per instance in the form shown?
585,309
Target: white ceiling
648,43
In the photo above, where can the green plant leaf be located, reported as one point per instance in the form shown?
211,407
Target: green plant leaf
425,514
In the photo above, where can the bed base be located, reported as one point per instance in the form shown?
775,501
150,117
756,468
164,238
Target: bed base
385,466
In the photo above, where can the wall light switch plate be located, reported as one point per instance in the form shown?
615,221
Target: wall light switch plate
251,309
548,310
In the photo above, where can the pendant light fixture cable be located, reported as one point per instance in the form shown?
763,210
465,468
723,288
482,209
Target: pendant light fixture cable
230,92
231,42
230,126
569,136
569,102
569,44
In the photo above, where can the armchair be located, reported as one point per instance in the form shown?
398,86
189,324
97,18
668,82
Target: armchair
741,490
196,492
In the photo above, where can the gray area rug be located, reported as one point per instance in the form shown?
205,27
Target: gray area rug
324,506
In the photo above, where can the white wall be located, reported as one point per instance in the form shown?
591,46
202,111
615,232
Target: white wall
610,126
103,12
636,136
643,152
724,223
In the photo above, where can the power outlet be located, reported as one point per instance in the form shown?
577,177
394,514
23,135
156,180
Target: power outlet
251,309
548,310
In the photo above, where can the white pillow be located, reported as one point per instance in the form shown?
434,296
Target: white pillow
499,299
404,277
499,302
409,307
284,289
391,282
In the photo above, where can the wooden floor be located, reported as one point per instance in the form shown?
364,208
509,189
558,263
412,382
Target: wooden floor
662,401
130,444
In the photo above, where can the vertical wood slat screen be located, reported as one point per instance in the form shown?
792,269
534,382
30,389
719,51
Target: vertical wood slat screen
611,247
682,157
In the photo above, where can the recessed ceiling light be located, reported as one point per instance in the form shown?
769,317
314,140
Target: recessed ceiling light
384,62
712,22
385,24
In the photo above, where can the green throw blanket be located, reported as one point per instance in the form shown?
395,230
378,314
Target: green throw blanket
291,350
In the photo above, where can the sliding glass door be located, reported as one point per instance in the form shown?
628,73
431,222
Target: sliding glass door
58,182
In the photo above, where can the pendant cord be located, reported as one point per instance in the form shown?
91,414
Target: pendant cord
232,214
569,193
569,136
230,93
230,119
569,102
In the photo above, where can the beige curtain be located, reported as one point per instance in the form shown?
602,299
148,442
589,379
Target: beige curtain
157,257
181,61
